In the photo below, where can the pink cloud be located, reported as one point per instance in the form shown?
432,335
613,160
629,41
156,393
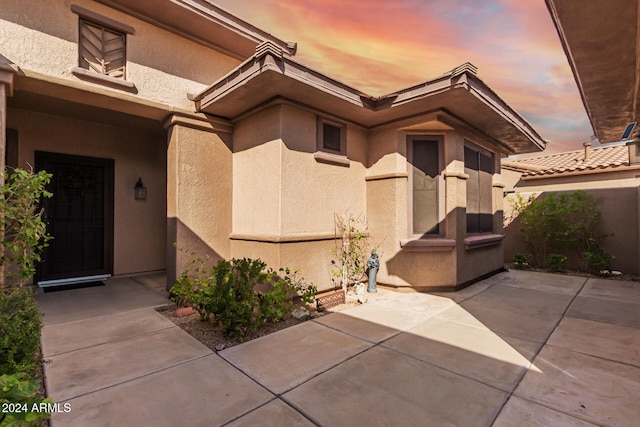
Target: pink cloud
382,46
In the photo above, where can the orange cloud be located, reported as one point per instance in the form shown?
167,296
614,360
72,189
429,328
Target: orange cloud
382,46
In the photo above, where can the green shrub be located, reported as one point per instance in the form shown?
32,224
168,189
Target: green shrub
556,262
21,396
276,304
194,278
564,225
20,324
22,230
227,293
233,300
596,259
522,259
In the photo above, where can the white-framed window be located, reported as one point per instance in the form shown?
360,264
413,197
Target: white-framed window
479,166
424,155
332,137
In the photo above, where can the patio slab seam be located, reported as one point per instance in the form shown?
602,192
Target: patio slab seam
562,316
279,395
398,331
460,296
147,374
108,342
543,405
591,355
275,398
101,316
525,370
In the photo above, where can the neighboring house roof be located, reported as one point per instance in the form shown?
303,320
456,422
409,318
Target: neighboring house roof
203,22
600,39
454,97
572,162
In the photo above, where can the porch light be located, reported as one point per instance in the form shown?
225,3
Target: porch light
140,190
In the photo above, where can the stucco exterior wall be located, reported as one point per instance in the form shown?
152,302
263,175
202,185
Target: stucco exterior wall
284,200
139,225
616,195
388,209
42,37
275,171
199,187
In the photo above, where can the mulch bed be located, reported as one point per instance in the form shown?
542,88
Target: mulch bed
215,339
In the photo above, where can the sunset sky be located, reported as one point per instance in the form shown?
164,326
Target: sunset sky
380,46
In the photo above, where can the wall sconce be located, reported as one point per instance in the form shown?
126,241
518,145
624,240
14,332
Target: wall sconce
140,191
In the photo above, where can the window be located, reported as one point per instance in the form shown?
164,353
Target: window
331,137
424,160
478,165
102,49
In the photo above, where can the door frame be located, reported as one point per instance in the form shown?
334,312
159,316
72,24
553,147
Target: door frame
41,159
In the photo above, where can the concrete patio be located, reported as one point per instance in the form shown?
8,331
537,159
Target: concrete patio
520,348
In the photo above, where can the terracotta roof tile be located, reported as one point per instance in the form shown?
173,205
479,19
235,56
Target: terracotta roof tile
570,161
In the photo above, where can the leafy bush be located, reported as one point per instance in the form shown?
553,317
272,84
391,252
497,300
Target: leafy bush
596,259
233,300
22,236
564,225
522,259
277,303
227,294
556,262
21,395
22,230
20,325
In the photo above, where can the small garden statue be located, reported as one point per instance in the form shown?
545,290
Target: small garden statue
373,264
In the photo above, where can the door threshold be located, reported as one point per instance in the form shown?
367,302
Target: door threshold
73,280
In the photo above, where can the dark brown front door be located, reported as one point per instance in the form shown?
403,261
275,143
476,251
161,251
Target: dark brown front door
79,216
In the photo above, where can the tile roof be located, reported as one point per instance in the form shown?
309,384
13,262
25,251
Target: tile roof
611,157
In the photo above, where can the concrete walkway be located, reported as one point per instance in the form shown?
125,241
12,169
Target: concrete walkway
520,348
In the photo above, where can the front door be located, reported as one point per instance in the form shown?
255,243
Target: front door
79,216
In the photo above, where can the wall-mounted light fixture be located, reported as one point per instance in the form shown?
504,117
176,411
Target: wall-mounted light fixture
140,191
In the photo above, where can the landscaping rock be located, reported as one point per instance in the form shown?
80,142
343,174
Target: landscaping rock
185,311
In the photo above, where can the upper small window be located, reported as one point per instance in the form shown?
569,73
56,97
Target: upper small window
102,50
331,137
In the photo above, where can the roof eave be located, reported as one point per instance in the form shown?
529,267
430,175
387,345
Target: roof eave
202,22
268,74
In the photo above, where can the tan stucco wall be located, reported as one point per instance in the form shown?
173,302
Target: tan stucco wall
388,211
42,37
617,198
139,226
312,258
281,192
199,186
279,187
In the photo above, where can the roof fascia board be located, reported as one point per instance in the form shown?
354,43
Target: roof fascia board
216,16
493,101
551,6
267,61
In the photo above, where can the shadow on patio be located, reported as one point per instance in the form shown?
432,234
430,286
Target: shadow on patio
517,348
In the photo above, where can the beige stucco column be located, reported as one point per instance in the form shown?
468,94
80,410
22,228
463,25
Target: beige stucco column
6,89
498,204
199,191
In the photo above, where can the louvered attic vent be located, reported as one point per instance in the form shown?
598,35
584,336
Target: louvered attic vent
102,50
